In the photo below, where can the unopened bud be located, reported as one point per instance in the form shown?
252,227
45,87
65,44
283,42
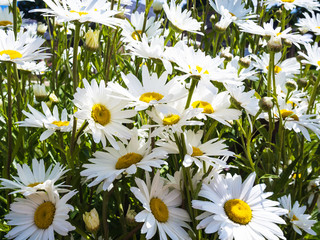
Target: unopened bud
275,44
266,103
279,14
42,28
227,56
287,43
40,92
302,82
92,40
91,220
300,58
291,85
53,98
244,62
220,27
130,218
157,7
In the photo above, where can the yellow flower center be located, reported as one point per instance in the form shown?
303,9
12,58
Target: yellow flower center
294,218
287,113
292,103
294,176
136,35
61,123
150,96
207,108
170,119
100,114
196,152
159,210
127,160
5,23
238,211
80,13
277,69
288,1
232,14
34,184
44,215
12,54
199,69
318,63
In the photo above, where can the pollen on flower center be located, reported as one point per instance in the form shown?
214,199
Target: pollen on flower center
277,69
61,123
287,113
207,108
44,215
196,152
159,210
170,119
34,184
12,54
80,13
5,23
136,34
150,96
288,1
127,160
294,218
238,211
100,114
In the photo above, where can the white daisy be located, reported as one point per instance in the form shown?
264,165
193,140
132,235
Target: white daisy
39,216
6,17
311,5
150,91
18,51
296,216
312,56
52,122
33,67
30,181
310,23
161,210
182,20
238,210
246,100
110,164
82,11
215,105
104,113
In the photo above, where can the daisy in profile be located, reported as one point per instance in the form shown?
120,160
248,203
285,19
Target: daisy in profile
310,5
103,112
33,67
215,105
238,210
111,164
181,20
39,216
312,56
309,23
19,51
30,181
161,209
81,11
150,91
6,18
52,122
296,216
132,30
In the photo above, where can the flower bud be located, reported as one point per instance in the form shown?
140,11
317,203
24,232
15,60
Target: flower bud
279,14
130,218
40,92
91,219
42,28
302,82
157,7
244,62
300,58
287,43
275,44
291,85
92,40
266,103
53,98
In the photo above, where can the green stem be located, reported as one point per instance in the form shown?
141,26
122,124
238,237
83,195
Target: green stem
314,94
191,90
15,18
75,56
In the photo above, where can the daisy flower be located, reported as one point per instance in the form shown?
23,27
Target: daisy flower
150,91
33,67
313,55
19,51
39,216
181,20
215,105
172,118
238,210
30,181
52,122
103,112
6,18
242,99
81,11
310,23
110,164
296,216
161,210
132,30
289,5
